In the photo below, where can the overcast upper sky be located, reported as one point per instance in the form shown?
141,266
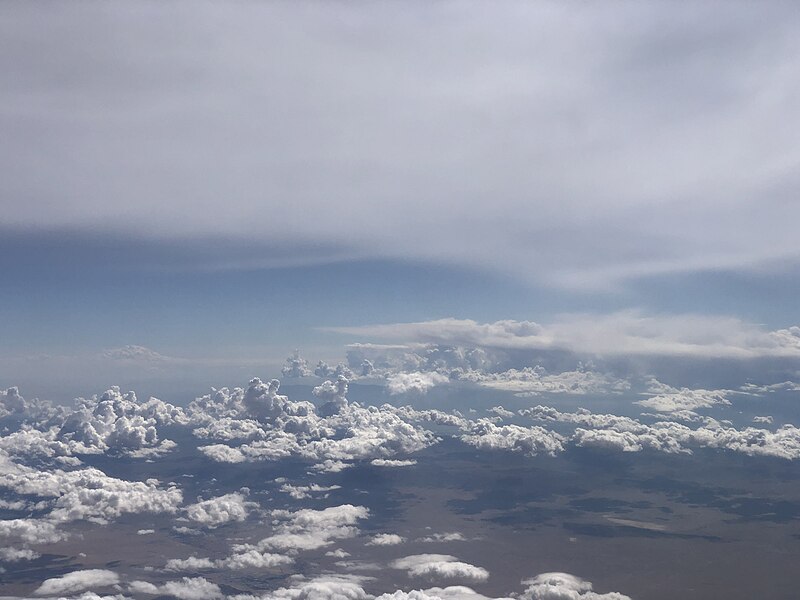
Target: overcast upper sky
215,179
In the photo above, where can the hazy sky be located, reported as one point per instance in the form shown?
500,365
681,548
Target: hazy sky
218,180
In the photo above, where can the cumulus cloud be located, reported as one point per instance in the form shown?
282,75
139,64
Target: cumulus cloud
11,402
118,422
192,563
413,383
187,588
760,389
612,432
324,587
672,400
386,539
440,566
278,428
299,531
563,586
532,441
333,395
453,536
220,510
17,554
296,366
501,412
77,581
300,492
32,531
389,462
85,494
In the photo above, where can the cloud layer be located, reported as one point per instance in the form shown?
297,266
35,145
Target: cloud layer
570,145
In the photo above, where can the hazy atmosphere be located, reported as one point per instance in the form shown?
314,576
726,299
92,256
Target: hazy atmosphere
399,301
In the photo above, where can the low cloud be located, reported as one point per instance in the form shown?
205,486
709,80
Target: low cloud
386,539
413,383
440,567
77,581
563,586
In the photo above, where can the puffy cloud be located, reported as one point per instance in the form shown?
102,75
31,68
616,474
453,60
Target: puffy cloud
325,371
262,400
300,492
77,581
295,366
366,368
189,564
532,441
784,386
388,462
440,566
254,559
88,493
228,429
333,395
386,539
15,406
331,466
187,588
453,536
92,495
422,359
672,400
326,587
340,432
413,383
17,554
11,402
452,592
454,419
119,423
613,432
223,453
220,510
32,531
246,559
563,586
501,412
308,529
767,420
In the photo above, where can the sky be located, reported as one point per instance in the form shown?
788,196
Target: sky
225,183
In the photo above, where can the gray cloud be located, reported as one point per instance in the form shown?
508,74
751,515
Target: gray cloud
626,333
572,145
